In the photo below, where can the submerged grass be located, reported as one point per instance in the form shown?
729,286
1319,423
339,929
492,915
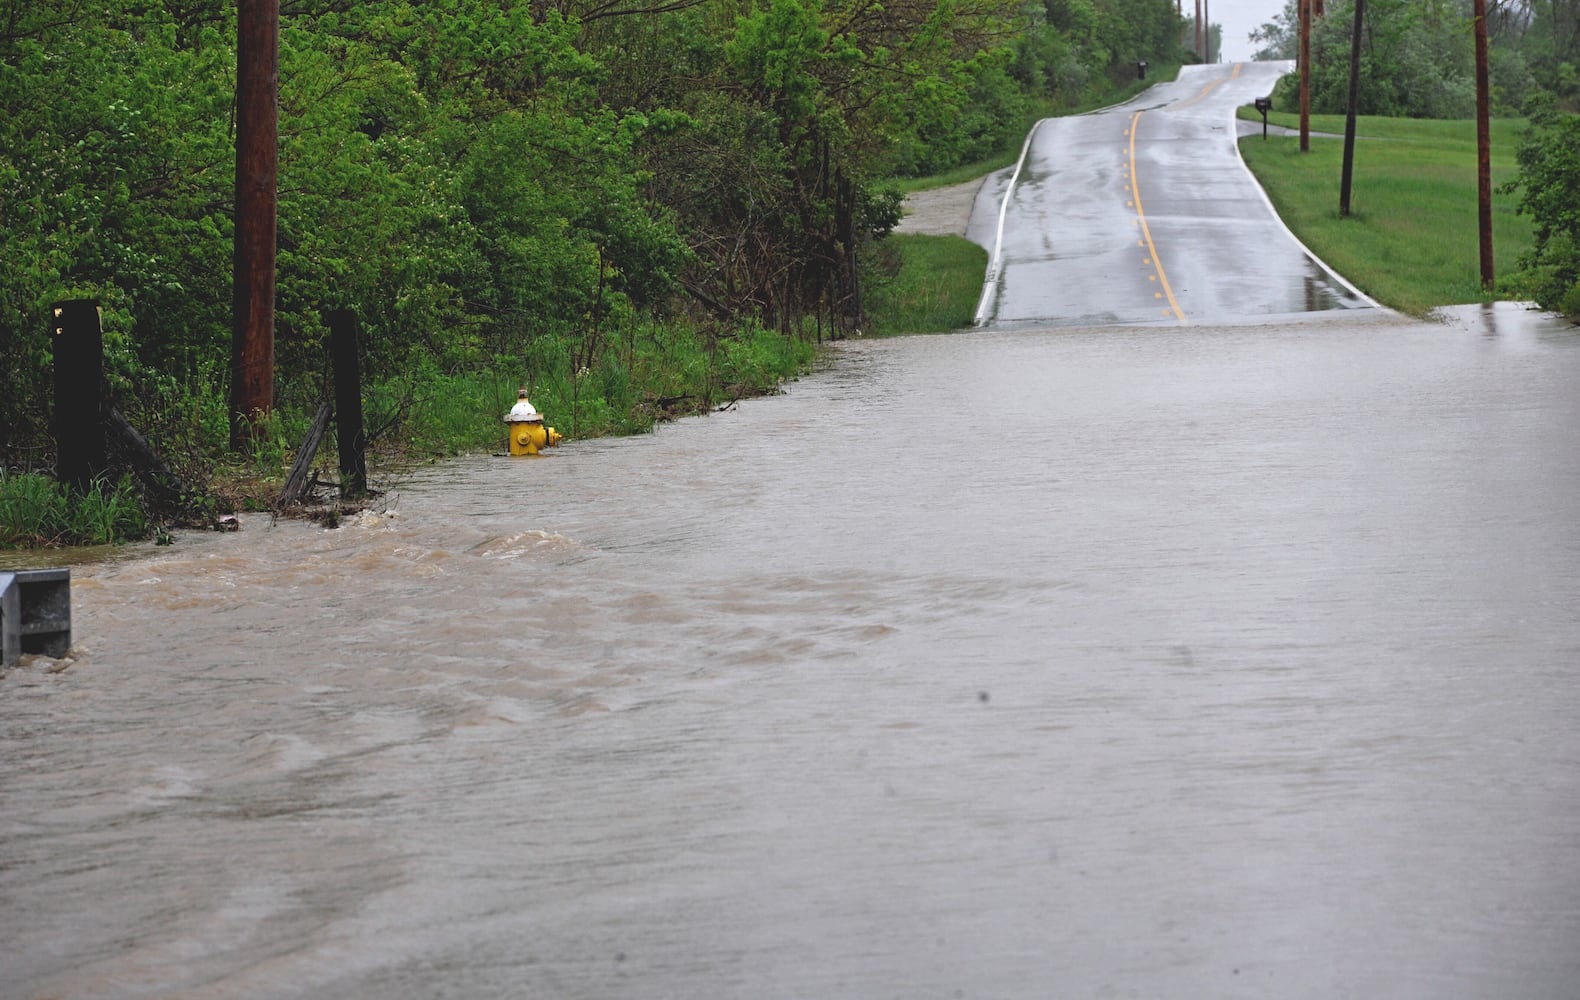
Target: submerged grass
585,387
649,374
1412,240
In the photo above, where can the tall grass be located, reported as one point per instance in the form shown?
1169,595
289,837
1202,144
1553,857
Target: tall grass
644,374
929,284
1412,239
36,511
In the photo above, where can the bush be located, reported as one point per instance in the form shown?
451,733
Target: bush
37,511
1549,178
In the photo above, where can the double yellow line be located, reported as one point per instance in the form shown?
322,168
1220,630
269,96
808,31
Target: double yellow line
1135,194
1146,230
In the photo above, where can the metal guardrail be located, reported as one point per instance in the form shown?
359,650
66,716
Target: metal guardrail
35,614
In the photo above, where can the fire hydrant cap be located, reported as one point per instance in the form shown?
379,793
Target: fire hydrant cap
523,412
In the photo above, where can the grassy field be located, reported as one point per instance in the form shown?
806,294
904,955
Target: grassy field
1411,241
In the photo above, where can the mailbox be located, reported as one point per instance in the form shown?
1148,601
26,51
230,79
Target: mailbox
1264,105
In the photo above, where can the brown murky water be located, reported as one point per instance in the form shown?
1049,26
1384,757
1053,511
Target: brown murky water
1194,662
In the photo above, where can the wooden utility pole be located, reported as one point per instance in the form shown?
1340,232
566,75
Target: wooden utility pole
1305,76
1198,30
1483,146
257,160
1349,118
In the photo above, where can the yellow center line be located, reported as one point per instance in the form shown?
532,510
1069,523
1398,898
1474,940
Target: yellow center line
1146,230
1233,75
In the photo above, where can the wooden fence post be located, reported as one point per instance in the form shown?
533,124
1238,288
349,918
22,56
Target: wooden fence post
350,439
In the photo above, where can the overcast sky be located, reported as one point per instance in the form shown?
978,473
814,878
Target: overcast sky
1238,18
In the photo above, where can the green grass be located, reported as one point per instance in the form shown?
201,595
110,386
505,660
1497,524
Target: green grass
932,286
636,377
37,512
1412,239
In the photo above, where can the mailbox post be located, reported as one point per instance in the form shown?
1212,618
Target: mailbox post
1141,70
1264,105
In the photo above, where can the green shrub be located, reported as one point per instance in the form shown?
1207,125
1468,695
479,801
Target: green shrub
1549,179
37,511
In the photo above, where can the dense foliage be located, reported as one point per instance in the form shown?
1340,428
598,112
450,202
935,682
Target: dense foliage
540,192
1549,182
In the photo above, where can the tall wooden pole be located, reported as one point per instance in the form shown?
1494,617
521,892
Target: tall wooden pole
1305,76
1349,117
1198,30
257,159
1483,146
1206,28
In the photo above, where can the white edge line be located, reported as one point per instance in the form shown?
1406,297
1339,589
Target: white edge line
990,281
1234,139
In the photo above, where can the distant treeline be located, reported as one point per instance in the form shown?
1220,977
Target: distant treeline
1418,56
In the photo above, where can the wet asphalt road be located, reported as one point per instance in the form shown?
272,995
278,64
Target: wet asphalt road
1144,213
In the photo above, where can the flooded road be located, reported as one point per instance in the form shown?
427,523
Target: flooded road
1154,662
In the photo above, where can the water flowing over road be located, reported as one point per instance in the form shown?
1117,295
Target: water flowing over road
1156,662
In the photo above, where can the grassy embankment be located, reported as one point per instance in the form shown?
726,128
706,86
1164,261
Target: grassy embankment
652,373
937,280
1412,240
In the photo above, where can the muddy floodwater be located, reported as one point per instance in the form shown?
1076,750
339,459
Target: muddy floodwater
1160,662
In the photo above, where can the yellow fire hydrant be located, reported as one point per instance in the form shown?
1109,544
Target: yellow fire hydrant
527,433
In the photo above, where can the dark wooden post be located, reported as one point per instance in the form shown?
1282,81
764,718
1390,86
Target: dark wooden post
350,439
1348,170
1483,146
77,340
257,159
1305,76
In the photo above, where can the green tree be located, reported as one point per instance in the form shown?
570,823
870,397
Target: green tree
1549,182
1416,58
